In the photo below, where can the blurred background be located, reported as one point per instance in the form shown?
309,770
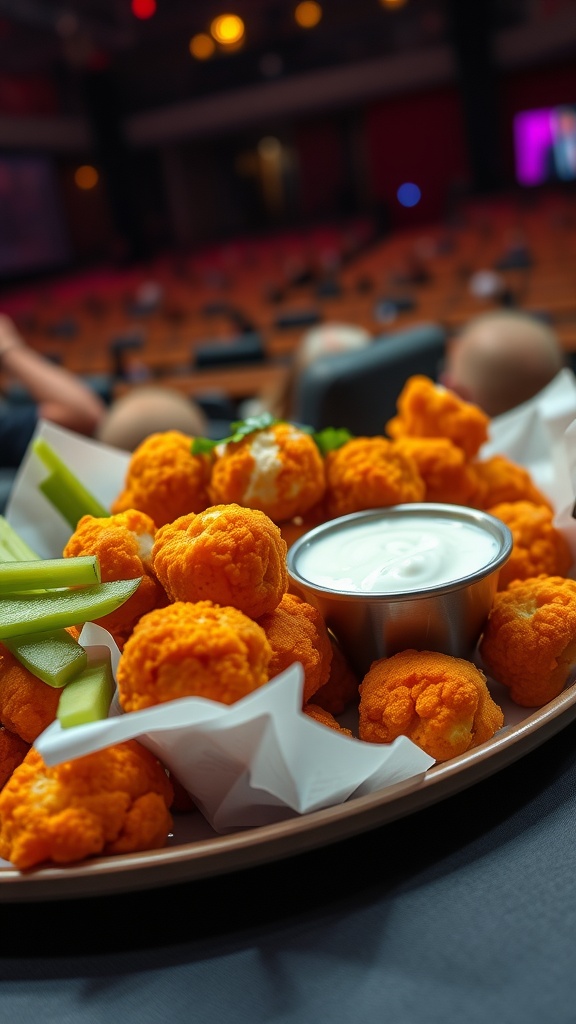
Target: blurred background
177,175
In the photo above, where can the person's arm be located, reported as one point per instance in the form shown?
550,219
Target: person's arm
60,396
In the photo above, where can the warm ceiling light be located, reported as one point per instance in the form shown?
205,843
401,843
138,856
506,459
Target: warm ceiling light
308,13
201,46
392,4
86,177
227,29
143,8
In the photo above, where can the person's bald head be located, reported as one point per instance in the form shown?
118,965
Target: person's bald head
501,359
150,410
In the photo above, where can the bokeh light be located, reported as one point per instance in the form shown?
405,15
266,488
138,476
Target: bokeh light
408,194
308,13
392,4
202,46
143,8
227,29
86,177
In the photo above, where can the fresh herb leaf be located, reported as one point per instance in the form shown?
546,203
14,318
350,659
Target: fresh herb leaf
240,430
332,438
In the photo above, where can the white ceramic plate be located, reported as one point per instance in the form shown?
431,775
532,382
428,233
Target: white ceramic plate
196,851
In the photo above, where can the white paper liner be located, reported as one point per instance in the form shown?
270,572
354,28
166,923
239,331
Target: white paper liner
262,759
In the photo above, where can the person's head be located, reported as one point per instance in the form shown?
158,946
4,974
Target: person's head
149,410
323,340
501,359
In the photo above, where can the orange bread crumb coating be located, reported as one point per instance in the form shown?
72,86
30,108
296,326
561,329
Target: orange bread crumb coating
499,479
341,690
192,650
164,479
370,472
538,548
443,467
13,750
278,470
297,632
427,409
325,718
529,641
123,544
110,802
440,702
27,704
227,554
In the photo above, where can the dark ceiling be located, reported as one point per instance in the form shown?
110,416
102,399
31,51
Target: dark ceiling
151,63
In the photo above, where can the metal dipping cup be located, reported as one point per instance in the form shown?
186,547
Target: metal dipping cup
448,617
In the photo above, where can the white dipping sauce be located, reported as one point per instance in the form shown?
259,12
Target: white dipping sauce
396,555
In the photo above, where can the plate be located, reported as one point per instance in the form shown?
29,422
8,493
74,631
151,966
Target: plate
195,851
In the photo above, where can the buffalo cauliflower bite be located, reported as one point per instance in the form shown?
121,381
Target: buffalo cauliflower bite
341,688
27,703
123,545
538,548
164,479
443,467
13,750
529,641
427,409
192,650
297,632
324,717
227,554
442,703
113,801
370,472
278,470
499,479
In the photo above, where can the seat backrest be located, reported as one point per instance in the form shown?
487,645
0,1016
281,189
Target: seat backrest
359,390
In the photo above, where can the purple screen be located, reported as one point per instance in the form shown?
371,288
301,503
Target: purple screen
545,145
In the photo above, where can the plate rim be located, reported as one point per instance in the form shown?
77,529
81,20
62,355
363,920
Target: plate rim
246,848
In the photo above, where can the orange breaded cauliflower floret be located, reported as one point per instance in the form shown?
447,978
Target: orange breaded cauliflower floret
227,554
27,703
529,641
325,718
192,650
278,470
123,544
164,479
13,750
110,802
499,479
538,548
443,467
297,632
341,689
440,702
427,409
370,472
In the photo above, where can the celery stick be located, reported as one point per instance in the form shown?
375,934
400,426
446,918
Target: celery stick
54,656
35,613
12,547
63,489
47,573
87,697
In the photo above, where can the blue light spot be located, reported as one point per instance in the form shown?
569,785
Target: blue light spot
409,194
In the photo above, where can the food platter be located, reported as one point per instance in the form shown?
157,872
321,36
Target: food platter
195,851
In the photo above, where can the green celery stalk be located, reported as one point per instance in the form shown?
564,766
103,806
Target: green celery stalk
48,573
37,613
63,488
12,547
53,656
87,697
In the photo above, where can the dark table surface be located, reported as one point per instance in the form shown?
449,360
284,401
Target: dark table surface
465,911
